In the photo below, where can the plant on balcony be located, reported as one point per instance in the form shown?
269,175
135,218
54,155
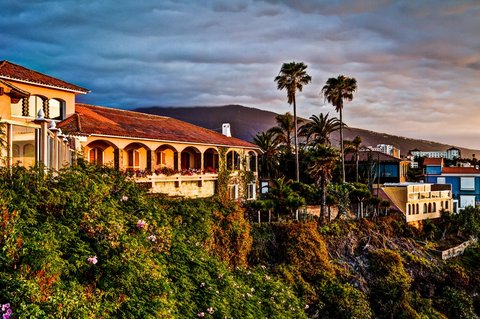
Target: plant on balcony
190,171
210,170
166,171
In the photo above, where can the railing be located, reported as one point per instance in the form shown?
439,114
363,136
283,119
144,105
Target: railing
432,194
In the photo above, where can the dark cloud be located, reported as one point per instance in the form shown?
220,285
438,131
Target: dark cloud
416,63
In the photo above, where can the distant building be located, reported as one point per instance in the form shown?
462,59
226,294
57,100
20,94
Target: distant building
451,153
387,149
379,167
465,181
419,201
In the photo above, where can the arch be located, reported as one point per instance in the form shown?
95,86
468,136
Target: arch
429,207
138,156
210,160
29,154
35,103
434,207
190,158
446,204
417,210
101,152
252,161
424,208
56,109
166,156
409,208
233,160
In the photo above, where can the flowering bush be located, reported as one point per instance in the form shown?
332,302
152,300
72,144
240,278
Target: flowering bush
92,260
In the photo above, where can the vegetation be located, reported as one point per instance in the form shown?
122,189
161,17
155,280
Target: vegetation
89,243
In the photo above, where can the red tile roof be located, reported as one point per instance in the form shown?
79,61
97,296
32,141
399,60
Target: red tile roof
460,170
90,119
15,72
433,161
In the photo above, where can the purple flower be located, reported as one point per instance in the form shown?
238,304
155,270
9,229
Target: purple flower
202,284
141,224
201,314
5,307
92,260
152,238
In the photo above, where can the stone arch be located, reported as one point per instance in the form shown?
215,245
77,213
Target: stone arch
190,158
166,156
233,160
252,161
103,152
137,157
211,160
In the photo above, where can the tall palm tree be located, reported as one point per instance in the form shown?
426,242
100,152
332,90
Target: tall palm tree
335,92
322,160
319,128
269,159
292,77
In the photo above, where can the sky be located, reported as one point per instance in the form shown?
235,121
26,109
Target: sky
417,63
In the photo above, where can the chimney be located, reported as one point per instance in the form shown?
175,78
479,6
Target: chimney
226,129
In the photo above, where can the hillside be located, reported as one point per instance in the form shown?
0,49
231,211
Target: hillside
246,122
89,243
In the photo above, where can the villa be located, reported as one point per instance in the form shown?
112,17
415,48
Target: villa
44,124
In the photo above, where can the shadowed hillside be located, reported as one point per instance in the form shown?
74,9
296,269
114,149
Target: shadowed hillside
246,122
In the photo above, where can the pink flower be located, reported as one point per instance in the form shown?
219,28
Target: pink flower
141,224
152,238
201,314
210,310
202,284
124,198
92,260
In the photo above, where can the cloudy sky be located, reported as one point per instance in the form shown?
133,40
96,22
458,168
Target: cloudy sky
417,63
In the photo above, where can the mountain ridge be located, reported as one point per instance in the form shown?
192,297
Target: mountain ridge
246,122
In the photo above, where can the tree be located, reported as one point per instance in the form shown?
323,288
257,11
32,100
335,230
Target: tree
354,147
269,159
284,130
318,130
335,92
322,160
293,77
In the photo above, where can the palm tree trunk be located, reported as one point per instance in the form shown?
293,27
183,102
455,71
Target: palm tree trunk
323,202
356,166
341,146
297,167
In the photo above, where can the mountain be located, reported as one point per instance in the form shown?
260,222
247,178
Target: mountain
246,122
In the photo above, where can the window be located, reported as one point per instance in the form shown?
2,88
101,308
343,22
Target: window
56,109
467,183
440,180
133,158
233,192
467,200
251,191
96,156
161,158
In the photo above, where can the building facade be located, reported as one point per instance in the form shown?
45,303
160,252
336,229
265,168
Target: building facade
44,124
451,153
419,201
465,181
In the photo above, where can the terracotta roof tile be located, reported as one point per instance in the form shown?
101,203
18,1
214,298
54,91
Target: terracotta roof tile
12,71
90,119
460,170
432,161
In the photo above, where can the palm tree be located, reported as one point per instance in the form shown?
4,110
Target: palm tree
322,160
335,91
320,127
269,159
293,77
354,147
284,130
